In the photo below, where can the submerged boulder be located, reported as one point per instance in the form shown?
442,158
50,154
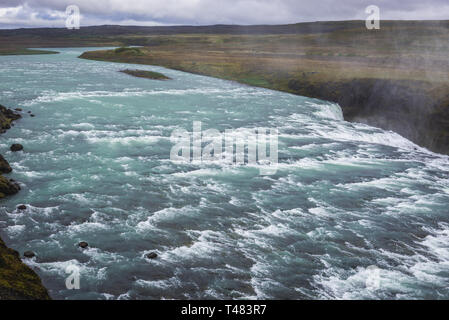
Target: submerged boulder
16,147
22,207
29,254
4,165
151,255
83,244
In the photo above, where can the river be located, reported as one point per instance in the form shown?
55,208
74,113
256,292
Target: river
352,211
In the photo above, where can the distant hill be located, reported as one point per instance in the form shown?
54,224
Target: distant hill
298,28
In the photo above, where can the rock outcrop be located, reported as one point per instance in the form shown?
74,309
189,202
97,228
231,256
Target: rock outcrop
4,165
8,187
17,280
7,116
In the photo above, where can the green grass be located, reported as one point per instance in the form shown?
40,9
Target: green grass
128,51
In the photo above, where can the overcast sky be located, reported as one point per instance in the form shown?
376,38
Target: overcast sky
51,13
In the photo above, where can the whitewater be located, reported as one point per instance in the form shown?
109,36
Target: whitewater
345,198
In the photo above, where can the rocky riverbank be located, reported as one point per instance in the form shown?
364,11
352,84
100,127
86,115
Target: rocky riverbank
17,280
7,186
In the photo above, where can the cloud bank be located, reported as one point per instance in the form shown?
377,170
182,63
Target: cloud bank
51,13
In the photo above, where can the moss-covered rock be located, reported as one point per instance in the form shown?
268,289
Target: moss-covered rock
7,116
17,280
8,187
4,165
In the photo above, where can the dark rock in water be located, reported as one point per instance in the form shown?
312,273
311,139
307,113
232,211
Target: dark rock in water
29,254
29,111
4,165
32,115
18,109
16,147
8,187
151,255
83,244
22,207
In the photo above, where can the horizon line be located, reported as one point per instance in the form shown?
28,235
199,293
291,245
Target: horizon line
224,24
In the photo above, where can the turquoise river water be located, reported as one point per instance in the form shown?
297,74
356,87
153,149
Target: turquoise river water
352,211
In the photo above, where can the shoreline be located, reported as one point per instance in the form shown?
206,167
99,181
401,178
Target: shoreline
416,109
17,280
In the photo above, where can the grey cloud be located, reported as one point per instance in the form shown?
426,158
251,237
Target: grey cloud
218,11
